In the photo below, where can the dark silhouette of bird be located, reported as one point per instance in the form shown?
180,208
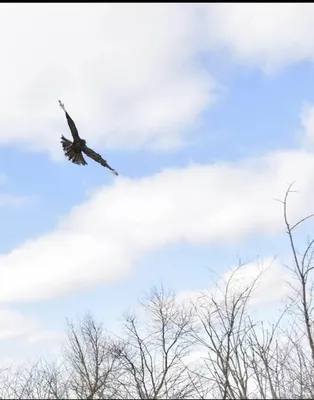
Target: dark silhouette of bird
73,150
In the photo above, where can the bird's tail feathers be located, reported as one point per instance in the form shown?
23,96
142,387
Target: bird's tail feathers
79,159
70,153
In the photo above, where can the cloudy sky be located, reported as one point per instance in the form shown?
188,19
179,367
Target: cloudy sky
207,113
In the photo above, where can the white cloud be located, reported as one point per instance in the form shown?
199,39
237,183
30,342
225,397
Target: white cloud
19,351
130,75
12,324
271,286
22,339
270,36
271,283
127,74
102,238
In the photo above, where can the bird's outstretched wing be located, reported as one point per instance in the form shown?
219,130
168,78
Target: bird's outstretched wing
70,123
98,158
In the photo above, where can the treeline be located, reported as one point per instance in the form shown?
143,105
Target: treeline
212,346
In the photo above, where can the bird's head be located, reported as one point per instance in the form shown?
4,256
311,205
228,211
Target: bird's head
83,142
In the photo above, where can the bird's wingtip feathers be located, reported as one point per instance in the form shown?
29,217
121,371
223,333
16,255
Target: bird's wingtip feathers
61,105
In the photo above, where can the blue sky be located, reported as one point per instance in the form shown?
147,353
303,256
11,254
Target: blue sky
205,122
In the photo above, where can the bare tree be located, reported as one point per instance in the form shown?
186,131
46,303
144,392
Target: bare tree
89,361
302,268
155,348
25,382
88,369
248,358
223,330
300,336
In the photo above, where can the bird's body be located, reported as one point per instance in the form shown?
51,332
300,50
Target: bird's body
73,150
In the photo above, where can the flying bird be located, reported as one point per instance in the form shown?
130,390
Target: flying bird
73,150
